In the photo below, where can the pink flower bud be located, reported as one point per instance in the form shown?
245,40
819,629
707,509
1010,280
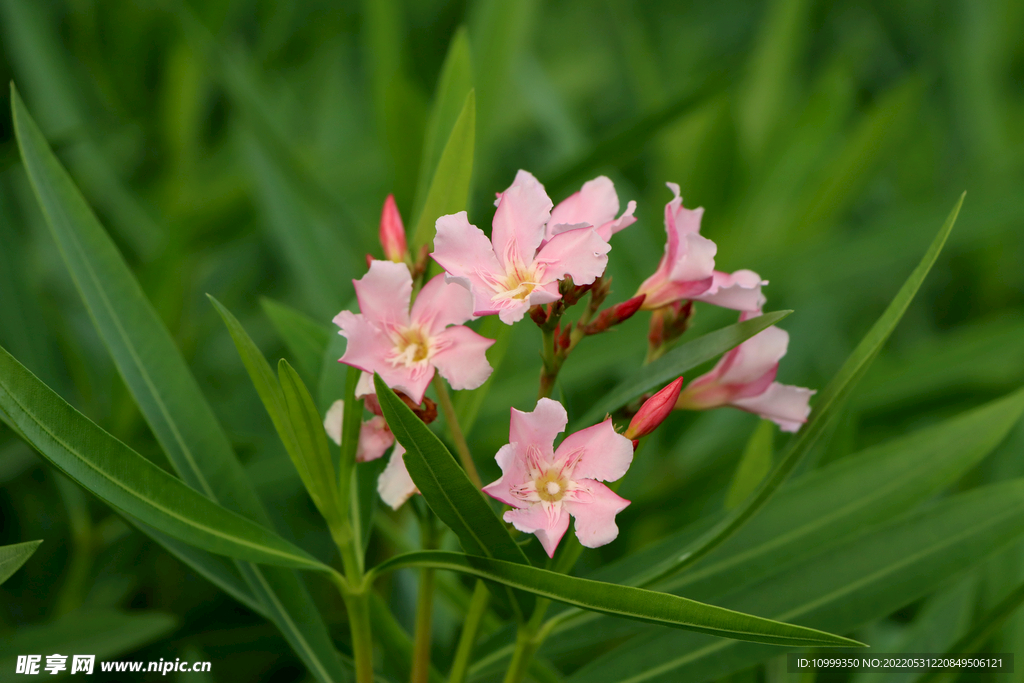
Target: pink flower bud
618,313
654,411
392,232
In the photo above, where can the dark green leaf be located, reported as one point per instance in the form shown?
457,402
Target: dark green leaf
678,361
446,488
13,556
621,601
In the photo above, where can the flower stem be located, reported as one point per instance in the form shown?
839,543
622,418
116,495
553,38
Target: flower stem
358,607
461,447
424,606
474,615
526,646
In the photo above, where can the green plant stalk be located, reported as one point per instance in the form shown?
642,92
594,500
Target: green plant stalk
357,605
461,447
424,606
526,646
467,639
550,355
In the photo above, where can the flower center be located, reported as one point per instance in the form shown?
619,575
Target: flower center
412,348
551,486
518,283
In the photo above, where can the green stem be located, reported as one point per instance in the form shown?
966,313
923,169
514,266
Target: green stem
358,607
470,626
461,447
526,646
424,606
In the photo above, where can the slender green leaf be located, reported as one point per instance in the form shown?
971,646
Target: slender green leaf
825,410
447,489
449,184
620,601
839,590
123,478
305,338
819,511
679,360
104,633
454,83
160,381
314,463
754,465
13,556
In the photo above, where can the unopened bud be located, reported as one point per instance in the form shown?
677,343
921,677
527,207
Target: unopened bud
616,314
392,232
539,314
654,411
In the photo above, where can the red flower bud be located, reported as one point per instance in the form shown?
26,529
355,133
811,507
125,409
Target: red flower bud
539,314
392,232
616,314
654,411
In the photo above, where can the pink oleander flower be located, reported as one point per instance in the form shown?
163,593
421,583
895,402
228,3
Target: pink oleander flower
392,232
547,485
654,411
517,268
745,378
687,268
394,484
594,205
740,291
405,347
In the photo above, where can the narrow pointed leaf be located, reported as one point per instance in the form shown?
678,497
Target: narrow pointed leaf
447,489
158,377
449,184
678,361
622,601
826,408
13,556
754,465
317,470
840,589
454,83
124,479
305,338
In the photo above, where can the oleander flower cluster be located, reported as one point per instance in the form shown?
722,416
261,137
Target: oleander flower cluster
543,259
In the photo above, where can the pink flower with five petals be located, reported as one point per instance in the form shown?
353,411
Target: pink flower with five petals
745,378
546,485
405,347
517,268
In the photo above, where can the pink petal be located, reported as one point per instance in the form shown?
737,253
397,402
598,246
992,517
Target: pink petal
537,428
513,473
753,358
739,291
605,455
695,259
660,291
440,304
384,293
461,359
364,387
333,419
783,404
367,344
464,251
580,253
548,522
595,204
518,228
375,437
624,221
678,220
394,485
594,509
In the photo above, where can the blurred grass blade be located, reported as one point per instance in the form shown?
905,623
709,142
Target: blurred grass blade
449,184
986,627
105,633
678,361
754,465
839,590
826,408
305,338
13,556
124,479
447,489
453,85
467,403
158,377
621,601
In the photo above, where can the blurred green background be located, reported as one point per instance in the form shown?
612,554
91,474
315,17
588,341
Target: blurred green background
244,148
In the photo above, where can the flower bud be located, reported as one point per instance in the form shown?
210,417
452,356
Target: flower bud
654,411
539,314
392,232
616,314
